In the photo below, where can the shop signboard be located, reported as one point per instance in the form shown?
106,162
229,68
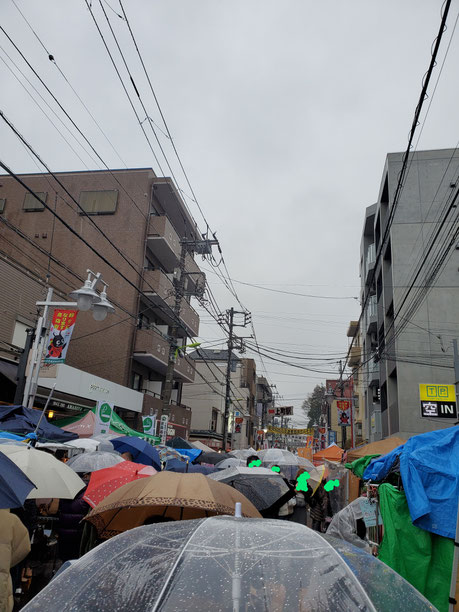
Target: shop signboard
438,401
344,412
149,425
104,412
332,437
163,428
60,333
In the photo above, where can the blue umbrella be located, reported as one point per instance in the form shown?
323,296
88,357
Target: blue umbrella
9,436
174,465
141,451
14,484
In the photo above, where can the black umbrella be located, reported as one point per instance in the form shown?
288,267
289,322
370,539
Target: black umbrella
212,458
263,487
179,442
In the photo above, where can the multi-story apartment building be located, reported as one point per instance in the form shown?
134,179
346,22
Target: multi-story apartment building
208,402
144,220
403,348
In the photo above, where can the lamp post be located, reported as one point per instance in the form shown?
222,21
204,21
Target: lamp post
87,298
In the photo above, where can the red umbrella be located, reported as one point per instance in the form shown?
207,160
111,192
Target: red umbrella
103,482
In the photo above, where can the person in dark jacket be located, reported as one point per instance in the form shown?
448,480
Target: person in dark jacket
318,507
70,526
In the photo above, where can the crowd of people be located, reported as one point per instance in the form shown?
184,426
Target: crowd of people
42,535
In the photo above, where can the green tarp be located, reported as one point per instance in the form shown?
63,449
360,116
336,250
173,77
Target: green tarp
358,466
117,425
423,558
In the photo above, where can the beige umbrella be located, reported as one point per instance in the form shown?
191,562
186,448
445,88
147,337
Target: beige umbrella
51,477
170,495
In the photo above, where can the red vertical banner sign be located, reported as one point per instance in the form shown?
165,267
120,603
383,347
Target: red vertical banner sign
60,333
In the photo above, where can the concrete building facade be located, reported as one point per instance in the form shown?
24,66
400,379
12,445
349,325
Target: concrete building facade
404,347
144,220
208,404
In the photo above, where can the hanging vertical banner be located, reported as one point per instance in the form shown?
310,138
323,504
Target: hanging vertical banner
149,425
163,428
60,333
344,412
104,412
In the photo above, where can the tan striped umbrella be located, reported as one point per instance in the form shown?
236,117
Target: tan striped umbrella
170,495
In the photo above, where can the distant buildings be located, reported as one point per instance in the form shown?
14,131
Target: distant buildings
208,405
122,360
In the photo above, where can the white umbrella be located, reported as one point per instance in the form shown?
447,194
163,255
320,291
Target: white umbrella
91,444
287,461
51,477
93,461
87,444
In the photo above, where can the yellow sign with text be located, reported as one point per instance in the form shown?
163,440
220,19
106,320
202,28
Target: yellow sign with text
437,393
290,432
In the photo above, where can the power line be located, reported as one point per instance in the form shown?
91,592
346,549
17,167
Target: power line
400,184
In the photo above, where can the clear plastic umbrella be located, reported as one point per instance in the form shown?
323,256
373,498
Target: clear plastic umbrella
243,453
230,462
92,461
287,461
227,564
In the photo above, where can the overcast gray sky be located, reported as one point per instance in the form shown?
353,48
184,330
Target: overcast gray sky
282,111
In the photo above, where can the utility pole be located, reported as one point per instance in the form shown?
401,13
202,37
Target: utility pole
343,427
228,316
21,377
204,247
228,377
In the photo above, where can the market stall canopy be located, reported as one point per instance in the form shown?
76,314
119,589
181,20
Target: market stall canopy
380,447
168,495
51,477
22,420
331,453
83,426
227,564
429,468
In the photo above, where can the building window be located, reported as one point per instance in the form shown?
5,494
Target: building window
213,422
144,321
137,381
31,203
99,202
2,205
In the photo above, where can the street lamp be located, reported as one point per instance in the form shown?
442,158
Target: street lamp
87,298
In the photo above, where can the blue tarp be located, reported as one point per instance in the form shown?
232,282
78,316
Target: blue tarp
429,467
378,469
191,453
22,420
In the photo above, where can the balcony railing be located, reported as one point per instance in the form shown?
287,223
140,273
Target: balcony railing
161,291
152,350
